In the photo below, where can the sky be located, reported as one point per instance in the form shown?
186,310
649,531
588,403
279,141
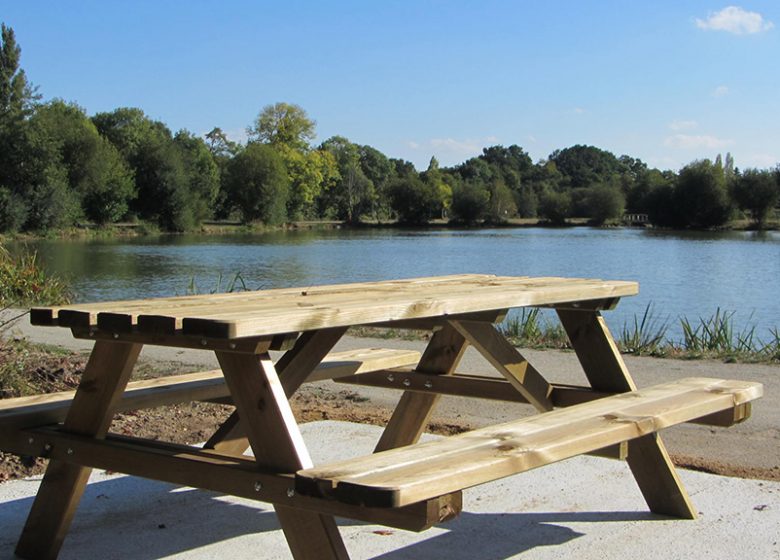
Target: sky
668,82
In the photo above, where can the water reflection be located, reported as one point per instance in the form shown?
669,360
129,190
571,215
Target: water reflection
683,273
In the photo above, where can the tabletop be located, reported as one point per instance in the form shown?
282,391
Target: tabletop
274,311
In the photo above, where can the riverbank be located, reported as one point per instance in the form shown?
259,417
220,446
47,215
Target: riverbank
750,449
226,227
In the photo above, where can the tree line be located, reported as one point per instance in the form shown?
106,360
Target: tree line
60,166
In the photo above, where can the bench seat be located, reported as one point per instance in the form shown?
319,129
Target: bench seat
418,472
41,410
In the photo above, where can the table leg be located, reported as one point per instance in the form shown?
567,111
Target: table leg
294,367
508,361
102,384
277,444
411,416
647,456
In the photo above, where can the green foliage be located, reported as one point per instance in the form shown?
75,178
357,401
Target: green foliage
555,206
283,123
13,211
469,203
24,282
585,166
701,196
202,175
413,201
604,203
756,192
257,184
352,194
644,336
96,173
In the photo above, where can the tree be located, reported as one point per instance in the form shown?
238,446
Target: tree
555,206
413,201
469,203
202,174
17,96
283,123
701,195
380,171
605,203
220,145
434,178
585,166
353,193
257,184
97,174
502,203
756,192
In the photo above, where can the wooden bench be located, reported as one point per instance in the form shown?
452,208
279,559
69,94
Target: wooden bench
409,474
41,410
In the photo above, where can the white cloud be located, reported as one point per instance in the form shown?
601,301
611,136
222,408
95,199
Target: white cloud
683,125
761,160
452,150
720,91
691,142
579,111
531,138
733,19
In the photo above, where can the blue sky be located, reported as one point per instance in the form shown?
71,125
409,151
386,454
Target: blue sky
665,81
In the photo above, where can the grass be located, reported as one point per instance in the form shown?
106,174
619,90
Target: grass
24,282
714,337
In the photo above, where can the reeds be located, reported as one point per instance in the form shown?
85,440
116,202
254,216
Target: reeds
24,282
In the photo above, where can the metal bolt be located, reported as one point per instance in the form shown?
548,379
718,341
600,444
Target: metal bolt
116,335
428,384
407,382
204,342
290,492
91,332
70,451
47,447
390,377
30,440
232,345
258,486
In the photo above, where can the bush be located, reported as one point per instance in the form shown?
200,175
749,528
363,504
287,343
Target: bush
24,282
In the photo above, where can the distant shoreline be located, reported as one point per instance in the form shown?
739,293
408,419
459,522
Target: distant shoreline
215,227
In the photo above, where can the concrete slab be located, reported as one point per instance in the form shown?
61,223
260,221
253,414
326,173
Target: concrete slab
584,508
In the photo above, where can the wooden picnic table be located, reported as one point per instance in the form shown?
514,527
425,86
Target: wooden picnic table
404,484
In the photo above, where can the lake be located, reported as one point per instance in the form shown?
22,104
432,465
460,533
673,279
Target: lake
681,273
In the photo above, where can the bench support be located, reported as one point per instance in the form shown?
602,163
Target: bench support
647,456
105,377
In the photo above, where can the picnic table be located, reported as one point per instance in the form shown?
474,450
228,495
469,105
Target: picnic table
404,484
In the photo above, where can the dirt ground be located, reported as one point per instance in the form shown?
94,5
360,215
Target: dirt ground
195,422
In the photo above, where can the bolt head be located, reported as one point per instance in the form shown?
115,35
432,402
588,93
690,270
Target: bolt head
258,486
290,492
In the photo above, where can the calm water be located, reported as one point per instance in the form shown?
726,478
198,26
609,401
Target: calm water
682,274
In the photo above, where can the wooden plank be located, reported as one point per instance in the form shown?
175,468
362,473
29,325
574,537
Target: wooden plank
48,316
51,408
465,385
294,367
400,476
606,371
277,444
201,468
105,377
508,361
248,345
269,312
414,410
252,322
